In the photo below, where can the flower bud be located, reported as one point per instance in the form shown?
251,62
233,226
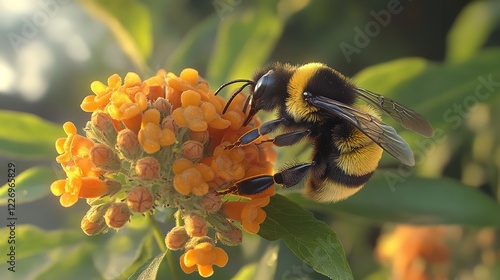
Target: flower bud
114,186
95,213
140,199
95,227
170,123
195,225
176,238
128,144
200,136
163,106
231,237
117,215
104,157
147,168
192,149
211,202
103,128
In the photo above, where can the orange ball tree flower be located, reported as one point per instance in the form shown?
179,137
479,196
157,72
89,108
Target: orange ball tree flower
160,142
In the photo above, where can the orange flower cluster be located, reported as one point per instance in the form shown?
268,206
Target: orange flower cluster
162,142
415,253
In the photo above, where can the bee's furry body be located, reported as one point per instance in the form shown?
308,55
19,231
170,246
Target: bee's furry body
318,103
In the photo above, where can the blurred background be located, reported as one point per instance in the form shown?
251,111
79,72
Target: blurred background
53,49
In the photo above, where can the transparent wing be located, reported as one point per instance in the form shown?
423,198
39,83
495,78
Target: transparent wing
382,134
403,115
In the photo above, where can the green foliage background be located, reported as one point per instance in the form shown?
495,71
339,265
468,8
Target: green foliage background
434,56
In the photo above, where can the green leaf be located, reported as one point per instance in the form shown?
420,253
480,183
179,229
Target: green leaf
471,29
119,250
26,136
243,43
30,185
72,262
246,272
435,90
194,46
130,23
310,239
60,254
390,197
149,269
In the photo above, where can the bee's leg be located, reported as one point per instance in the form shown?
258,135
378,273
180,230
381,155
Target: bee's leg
285,139
255,133
288,139
288,178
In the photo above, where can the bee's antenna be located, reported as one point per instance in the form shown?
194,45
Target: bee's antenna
233,82
240,89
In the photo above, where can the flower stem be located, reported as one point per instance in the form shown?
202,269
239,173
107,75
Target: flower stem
178,218
158,234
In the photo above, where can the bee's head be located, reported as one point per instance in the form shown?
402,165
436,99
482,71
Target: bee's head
268,89
256,100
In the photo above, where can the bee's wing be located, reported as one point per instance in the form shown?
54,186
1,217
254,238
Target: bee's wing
403,115
382,134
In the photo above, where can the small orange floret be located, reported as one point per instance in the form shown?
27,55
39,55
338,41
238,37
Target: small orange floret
190,98
190,75
202,257
191,178
250,214
92,187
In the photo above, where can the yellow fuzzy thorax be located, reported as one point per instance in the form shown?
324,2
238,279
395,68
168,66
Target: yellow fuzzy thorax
295,104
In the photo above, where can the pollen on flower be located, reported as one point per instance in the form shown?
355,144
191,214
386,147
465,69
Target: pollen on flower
157,143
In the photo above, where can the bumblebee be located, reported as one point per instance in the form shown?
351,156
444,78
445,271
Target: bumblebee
317,103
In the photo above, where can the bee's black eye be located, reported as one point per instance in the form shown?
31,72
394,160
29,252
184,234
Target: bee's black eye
262,83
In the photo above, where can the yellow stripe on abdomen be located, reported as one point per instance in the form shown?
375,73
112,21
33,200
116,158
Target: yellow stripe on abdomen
330,191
